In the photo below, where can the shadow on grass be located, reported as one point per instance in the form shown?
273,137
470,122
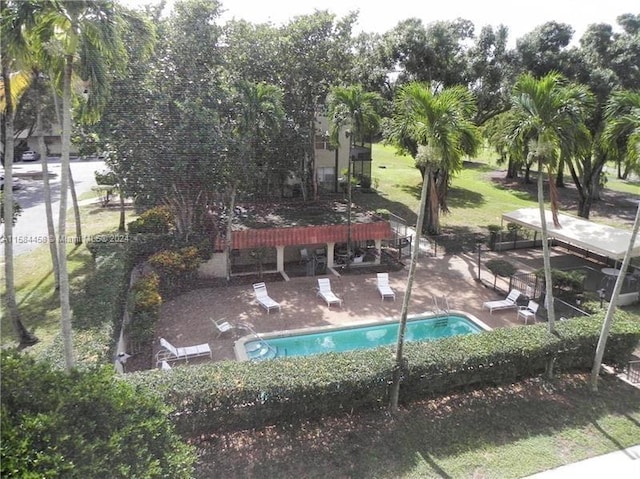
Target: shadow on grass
443,437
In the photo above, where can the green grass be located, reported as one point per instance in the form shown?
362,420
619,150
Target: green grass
35,290
474,200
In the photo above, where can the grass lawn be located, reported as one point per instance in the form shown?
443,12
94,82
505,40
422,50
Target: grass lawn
475,198
500,432
35,293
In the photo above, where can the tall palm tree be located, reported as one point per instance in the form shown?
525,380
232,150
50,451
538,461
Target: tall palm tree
88,36
260,116
14,17
441,125
622,115
357,110
548,114
422,118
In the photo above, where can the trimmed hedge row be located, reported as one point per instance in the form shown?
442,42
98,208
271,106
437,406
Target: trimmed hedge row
238,395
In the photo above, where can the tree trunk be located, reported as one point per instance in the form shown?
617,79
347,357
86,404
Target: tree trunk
51,231
232,205
399,361
560,174
76,209
551,315
546,255
65,306
25,338
121,225
608,319
349,206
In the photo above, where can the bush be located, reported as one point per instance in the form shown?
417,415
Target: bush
566,284
84,424
155,220
236,395
146,300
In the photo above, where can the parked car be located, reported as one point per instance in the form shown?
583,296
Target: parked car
30,155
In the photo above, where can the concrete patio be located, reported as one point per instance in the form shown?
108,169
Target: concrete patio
185,320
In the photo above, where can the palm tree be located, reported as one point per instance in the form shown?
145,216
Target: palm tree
14,50
260,116
357,110
441,125
429,118
548,114
87,34
622,115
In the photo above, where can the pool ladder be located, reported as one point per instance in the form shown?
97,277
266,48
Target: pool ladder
266,352
437,309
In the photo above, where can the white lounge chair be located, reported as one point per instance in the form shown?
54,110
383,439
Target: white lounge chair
528,311
383,287
508,303
263,297
222,326
171,353
325,292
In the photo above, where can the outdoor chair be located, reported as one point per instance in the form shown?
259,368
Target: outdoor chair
529,311
383,287
325,292
222,326
171,353
264,299
508,303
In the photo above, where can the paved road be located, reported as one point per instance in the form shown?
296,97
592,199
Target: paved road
31,229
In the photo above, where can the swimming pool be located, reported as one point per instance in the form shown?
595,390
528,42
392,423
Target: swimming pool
425,327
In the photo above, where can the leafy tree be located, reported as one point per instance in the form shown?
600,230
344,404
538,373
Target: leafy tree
549,115
84,424
622,131
352,108
314,53
88,40
440,121
14,17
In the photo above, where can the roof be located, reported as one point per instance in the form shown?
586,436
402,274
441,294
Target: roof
301,235
602,239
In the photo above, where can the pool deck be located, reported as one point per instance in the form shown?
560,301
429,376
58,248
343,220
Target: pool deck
185,320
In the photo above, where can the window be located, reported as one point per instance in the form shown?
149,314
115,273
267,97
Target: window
326,175
322,142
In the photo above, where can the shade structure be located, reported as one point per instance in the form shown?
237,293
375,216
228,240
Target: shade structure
602,239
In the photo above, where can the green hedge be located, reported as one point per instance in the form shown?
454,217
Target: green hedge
236,395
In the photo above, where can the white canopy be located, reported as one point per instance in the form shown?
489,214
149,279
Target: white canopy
605,240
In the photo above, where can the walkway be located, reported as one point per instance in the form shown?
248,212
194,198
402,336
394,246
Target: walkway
624,464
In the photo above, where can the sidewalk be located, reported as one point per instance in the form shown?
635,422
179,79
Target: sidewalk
624,464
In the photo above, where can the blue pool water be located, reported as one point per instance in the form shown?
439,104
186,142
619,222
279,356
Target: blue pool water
353,338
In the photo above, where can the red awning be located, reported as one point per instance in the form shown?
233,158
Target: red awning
301,235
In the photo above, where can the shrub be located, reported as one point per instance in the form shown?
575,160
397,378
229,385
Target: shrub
146,302
500,267
236,395
84,424
155,220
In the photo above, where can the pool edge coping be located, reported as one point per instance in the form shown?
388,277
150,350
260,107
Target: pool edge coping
241,352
